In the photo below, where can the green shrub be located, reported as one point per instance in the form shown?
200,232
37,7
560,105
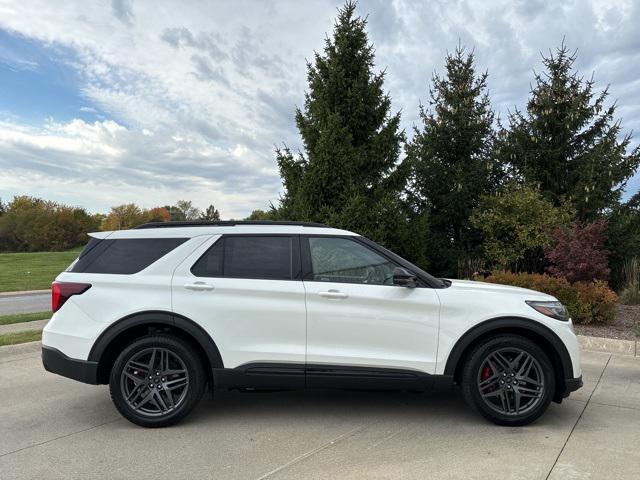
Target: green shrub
516,224
587,302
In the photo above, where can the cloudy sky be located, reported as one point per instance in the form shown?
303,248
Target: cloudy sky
103,103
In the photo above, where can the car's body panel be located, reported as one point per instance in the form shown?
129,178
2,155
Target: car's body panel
467,304
251,320
374,325
75,327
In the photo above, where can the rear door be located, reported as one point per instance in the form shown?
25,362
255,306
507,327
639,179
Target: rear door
246,292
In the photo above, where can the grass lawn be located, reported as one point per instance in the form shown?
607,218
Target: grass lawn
20,337
32,271
23,317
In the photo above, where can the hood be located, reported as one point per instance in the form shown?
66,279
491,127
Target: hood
500,289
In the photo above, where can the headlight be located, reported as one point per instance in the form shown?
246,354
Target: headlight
550,309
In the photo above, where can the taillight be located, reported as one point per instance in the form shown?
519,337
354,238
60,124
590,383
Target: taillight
61,291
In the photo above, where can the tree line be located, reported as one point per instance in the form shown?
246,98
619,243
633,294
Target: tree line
471,192
29,224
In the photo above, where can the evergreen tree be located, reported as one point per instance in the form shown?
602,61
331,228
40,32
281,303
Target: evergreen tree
451,160
568,142
211,214
623,237
349,175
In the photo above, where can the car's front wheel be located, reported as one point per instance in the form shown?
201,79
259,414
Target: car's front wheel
157,380
509,380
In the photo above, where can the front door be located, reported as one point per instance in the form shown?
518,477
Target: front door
357,317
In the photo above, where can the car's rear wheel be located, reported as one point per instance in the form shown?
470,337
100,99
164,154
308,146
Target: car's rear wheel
157,380
509,380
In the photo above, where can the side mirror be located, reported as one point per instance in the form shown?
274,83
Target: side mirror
404,278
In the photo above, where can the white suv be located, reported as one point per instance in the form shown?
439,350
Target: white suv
161,311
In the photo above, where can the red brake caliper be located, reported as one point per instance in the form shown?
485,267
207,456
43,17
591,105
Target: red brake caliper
486,373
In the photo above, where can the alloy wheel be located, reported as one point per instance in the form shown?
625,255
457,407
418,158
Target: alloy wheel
154,381
510,381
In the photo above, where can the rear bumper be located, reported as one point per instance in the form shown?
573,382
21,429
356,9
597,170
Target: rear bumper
571,385
55,361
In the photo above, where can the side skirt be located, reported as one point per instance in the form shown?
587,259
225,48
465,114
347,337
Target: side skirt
275,376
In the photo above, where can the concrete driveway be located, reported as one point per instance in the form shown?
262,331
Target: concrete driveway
51,427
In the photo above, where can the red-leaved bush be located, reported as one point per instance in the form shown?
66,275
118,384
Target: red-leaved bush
577,252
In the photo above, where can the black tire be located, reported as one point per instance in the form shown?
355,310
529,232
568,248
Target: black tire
500,391
153,394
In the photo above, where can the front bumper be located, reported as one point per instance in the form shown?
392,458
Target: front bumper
571,385
55,361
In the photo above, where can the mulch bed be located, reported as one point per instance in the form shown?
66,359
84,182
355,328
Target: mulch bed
626,326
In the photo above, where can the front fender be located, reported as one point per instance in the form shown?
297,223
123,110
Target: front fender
515,325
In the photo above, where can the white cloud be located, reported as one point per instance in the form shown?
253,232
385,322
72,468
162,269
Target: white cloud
104,163
200,94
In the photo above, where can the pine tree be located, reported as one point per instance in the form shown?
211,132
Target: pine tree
451,159
349,175
568,142
211,214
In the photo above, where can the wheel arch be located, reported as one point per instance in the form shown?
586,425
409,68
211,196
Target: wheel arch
122,332
540,334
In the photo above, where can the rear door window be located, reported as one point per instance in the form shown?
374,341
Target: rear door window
123,256
251,256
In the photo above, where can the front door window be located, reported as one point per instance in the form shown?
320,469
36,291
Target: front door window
340,260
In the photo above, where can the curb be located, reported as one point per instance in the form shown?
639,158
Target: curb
609,345
23,292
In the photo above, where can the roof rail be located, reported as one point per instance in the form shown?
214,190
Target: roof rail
225,223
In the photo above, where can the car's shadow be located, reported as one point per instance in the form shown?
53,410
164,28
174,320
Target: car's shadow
315,405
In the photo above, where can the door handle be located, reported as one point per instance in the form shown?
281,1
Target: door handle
333,294
199,286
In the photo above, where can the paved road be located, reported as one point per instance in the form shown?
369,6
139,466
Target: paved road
25,303
52,427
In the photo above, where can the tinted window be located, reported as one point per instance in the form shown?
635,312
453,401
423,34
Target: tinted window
346,261
210,264
123,256
248,257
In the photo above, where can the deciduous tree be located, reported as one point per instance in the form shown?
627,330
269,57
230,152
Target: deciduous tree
33,224
516,225
129,215
577,252
188,210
